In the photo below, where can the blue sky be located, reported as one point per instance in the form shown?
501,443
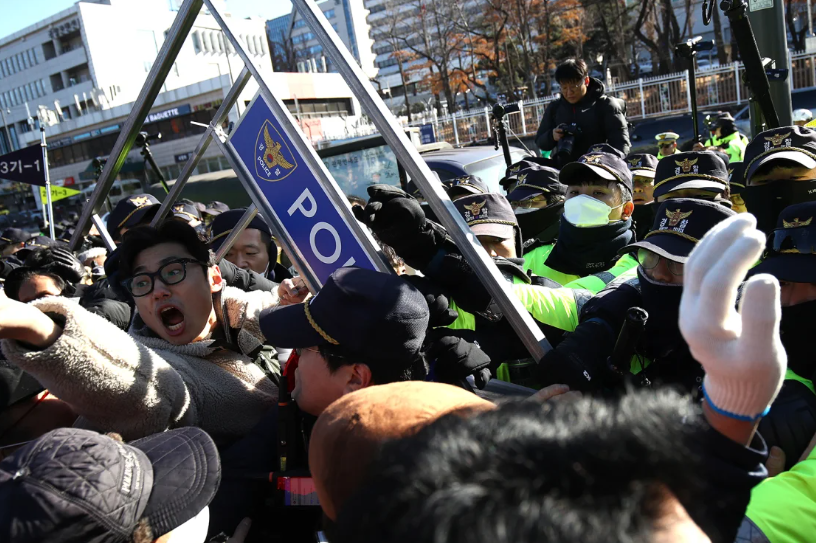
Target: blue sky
27,13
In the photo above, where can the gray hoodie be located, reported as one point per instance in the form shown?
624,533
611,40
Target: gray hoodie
138,384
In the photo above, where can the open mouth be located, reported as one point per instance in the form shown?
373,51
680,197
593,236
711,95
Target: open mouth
173,319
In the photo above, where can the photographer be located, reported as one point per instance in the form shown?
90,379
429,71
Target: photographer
583,116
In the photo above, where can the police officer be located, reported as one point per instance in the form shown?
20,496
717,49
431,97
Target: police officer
666,144
538,202
696,174
780,170
661,355
595,225
736,185
255,249
643,167
724,135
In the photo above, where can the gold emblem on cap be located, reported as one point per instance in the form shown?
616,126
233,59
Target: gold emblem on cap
179,209
634,162
522,178
140,201
476,208
686,164
592,158
795,223
676,216
776,140
514,169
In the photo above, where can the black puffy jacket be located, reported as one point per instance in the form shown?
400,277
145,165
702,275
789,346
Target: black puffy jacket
602,119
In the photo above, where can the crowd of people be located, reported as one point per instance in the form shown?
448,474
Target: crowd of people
153,393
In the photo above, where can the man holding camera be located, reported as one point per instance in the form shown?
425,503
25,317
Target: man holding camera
583,116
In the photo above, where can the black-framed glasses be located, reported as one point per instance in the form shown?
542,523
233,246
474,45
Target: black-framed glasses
795,239
649,261
171,273
536,202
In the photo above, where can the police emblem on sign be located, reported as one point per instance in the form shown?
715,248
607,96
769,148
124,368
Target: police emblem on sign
274,160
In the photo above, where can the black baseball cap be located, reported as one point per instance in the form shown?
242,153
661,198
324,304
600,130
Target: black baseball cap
216,208
465,185
77,485
642,164
679,225
378,317
605,148
607,166
13,236
735,178
718,119
38,242
535,180
792,143
130,212
186,212
510,179
692,170
791,251
223,224
490,215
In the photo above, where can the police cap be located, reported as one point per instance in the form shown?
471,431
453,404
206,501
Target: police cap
791,251
643,164
789,143
692,170
607,166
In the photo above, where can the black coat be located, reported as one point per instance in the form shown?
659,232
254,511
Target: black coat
602,119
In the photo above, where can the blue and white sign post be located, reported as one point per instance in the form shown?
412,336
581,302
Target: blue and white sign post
294,194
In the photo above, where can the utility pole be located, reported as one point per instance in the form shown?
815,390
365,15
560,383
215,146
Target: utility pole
5,126
767,18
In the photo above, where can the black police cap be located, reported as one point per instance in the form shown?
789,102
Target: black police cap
735,177
535,180
131,211
490,215
373,316
607,166
642,164
679,225
223,224
692,170
464,185
791,254
13,236
605,148
792,143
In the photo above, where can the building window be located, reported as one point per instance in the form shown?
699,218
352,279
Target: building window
329,13
300,23
40,89
196,42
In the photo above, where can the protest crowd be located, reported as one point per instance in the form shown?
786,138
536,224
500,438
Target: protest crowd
154,393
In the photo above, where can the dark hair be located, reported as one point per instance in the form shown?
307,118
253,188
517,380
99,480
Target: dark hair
727,127
18,276
591,470
382,371
572,69
144,237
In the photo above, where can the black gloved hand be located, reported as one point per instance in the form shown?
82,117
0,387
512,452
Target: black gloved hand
580,360
438,304
66,265
398,220
452,358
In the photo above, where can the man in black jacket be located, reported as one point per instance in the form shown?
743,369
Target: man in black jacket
600,118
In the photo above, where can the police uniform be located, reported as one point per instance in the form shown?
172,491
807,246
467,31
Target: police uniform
666,137
539,225
587,258
660,355
733,144
700,170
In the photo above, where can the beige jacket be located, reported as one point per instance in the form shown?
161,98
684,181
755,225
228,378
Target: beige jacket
138,384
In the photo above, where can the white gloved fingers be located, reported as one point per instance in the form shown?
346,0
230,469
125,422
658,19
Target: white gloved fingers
711,248
719,287
761,313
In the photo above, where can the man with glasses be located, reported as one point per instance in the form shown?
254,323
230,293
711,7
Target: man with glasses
600,118
186,361
666,144
661,354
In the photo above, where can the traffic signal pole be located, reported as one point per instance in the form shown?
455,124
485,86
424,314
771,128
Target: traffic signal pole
767,18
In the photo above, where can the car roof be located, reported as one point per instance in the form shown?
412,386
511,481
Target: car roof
463,156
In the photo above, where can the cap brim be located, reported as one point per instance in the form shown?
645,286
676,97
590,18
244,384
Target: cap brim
459,190
574,169
666,245
703,184
186,475
796,156
503,231
793,268
522,193
644,173
288,327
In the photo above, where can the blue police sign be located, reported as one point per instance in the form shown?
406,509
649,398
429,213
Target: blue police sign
300,203
426,133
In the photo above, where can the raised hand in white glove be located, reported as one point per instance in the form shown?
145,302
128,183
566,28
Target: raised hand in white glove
741,352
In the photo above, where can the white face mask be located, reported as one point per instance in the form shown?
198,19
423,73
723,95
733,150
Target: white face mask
585,211
194,530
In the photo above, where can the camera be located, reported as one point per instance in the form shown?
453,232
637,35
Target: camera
566,144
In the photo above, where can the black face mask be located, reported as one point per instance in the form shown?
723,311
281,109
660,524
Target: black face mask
538,222
584,251
766,202
798,328
662,302
644,216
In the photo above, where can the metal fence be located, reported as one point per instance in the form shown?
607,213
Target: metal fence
719,86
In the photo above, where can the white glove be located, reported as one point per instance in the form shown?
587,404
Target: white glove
741,353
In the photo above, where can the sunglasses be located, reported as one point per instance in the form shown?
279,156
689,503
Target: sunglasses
649,261
664,145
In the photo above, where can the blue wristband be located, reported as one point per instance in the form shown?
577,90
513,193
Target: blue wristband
733,415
